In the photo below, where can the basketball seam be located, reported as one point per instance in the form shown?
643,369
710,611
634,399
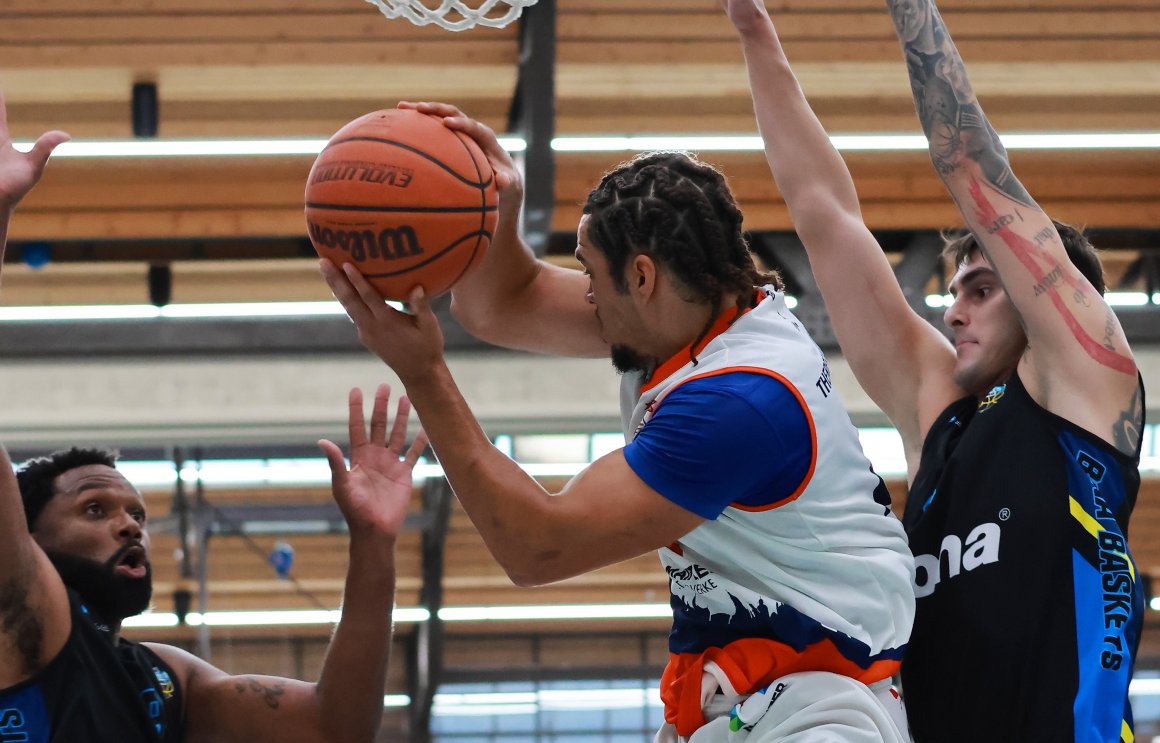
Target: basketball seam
437,255
417,209
420,153
483,206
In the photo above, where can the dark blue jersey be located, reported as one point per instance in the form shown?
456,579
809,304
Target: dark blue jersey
94,691
1029,604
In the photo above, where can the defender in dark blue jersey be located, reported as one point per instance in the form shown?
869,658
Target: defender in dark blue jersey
74,562
1022,437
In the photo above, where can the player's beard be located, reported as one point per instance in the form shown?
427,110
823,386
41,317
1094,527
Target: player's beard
626,360
113,597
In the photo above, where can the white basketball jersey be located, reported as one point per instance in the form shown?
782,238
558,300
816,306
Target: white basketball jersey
818,581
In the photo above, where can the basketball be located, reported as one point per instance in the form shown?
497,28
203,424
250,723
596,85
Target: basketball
405,199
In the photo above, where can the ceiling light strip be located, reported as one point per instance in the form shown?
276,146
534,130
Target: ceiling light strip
886,142
405,615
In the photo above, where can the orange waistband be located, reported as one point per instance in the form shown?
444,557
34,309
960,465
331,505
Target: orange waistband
752,664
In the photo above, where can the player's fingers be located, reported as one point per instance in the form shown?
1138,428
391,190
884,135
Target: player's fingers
7,478
420,306
483,135
356,427
369,295
345,293
4,136
399,429
418,446
44,146
379,415
338,471
438,109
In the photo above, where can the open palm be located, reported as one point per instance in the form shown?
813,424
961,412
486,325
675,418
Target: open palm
375,492
19,171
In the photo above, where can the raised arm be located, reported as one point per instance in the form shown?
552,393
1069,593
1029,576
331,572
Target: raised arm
346,704
512,298
1078,364
34,620
899,359
19,171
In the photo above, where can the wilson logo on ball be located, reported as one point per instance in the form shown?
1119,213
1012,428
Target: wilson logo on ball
405,199
390,242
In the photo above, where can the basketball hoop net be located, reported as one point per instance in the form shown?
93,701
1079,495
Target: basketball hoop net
455,15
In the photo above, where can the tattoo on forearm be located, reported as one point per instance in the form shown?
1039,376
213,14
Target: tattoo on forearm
269,693
1126,431
1027,251
955,125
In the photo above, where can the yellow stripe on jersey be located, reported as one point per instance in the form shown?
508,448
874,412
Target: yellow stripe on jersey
1084,518
1126,735
1093,527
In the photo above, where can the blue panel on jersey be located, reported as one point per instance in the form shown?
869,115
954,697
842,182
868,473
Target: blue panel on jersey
740,437
23,718
1092,472
696,628
1104,671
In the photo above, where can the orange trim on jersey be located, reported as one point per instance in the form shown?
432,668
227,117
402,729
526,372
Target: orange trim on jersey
680,358
805,409
751,664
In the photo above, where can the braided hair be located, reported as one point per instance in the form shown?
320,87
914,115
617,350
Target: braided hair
680,212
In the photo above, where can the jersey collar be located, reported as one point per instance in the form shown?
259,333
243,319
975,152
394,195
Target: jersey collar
680,358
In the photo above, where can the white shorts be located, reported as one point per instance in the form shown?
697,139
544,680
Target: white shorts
811,707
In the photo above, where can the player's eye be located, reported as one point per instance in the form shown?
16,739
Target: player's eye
139,516
94,509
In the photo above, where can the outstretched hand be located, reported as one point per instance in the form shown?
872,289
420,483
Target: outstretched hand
747,15
375,492
19,171
507,176
409,342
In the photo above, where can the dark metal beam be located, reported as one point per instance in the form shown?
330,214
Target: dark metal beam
426,643
533,115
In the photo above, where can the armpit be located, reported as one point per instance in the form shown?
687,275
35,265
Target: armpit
21,625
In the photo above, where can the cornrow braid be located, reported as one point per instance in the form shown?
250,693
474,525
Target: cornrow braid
680,212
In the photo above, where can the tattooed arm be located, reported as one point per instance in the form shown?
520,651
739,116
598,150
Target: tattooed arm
1078,364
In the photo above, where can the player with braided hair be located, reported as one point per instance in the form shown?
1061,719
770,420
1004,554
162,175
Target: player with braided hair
790,578
681,212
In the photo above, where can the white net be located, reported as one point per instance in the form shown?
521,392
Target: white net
454,15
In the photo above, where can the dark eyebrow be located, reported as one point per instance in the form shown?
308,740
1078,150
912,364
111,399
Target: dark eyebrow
579,257
973,275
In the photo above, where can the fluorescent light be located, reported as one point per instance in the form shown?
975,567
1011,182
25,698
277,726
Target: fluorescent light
1081,140
528,702
480,710
205,147
556,611
1144,686
790,302
885,142
273,618
292,617
1126,299
79,312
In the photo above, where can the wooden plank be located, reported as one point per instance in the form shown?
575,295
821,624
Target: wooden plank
270,51
671,51
38,7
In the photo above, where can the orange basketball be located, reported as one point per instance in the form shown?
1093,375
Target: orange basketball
407,200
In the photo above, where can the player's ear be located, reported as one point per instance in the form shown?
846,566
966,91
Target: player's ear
642,275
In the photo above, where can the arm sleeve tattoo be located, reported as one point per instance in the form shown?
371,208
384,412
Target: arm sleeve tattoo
951,117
